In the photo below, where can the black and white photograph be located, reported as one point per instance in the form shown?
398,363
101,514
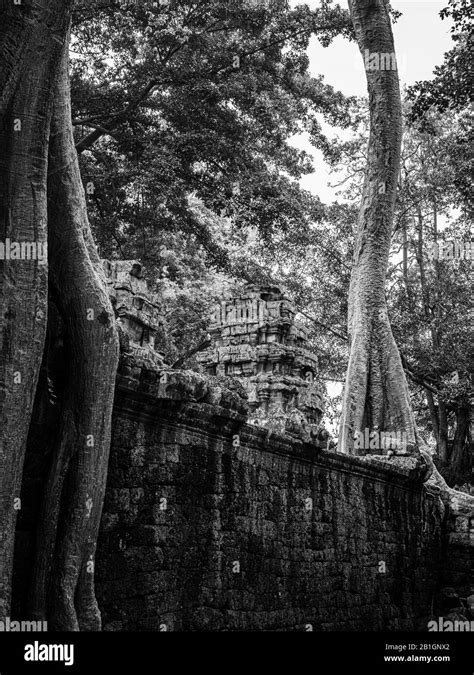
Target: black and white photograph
236,334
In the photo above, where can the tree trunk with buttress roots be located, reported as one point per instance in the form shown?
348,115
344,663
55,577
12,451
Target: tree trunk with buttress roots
32,37
63,580
376,393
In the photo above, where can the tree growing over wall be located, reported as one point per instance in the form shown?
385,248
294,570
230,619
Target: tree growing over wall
231,152
42,196
27,85
376,393
428,298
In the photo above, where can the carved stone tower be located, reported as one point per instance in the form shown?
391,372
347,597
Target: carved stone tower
258,341
136,310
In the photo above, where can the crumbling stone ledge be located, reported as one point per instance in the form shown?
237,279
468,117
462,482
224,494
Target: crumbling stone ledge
168,396
318,538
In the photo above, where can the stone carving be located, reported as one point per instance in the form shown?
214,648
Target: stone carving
137,312
257,340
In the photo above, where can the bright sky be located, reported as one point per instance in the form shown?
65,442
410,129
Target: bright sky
421,39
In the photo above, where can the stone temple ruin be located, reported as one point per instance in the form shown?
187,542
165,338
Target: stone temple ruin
257,340
231,465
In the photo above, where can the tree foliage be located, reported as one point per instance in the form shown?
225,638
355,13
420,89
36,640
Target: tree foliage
451,86
198,98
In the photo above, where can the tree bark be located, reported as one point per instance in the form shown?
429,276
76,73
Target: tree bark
442,432
433,413
31,41
460,461
63,586
376,394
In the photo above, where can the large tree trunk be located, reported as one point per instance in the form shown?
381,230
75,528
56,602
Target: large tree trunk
443,451
31,42
63,586
460,462
376,394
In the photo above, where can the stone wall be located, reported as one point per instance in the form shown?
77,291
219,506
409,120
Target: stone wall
458,559
213,524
